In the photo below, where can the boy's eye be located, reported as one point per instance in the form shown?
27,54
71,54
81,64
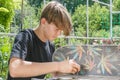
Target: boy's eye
56,29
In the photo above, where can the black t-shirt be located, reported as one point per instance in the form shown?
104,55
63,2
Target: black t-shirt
27,46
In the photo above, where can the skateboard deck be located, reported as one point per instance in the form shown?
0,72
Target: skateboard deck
102,60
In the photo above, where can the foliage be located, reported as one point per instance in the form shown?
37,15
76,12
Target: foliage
97,16
116,4
116,31
6,12
48,76
4,56
6,15
39,11
69,4
30,20
79,20
60,42
2,29
72,4
35,3
17,22
17,4
27,19
101,33
96,13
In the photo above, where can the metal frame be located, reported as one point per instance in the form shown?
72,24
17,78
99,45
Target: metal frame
87,22
111,12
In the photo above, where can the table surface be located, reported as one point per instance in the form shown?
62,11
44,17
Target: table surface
90,77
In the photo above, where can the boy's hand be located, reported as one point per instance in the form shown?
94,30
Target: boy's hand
68,66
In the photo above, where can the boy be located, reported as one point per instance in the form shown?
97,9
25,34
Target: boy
32,50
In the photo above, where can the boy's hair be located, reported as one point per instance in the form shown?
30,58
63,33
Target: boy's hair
56,13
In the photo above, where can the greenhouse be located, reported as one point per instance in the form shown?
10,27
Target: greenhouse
93,43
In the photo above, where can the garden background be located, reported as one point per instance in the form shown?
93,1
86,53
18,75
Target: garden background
94,22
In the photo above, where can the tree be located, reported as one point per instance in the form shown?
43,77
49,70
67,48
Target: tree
72,4
116,16
116,4
97,15
6,13
35,3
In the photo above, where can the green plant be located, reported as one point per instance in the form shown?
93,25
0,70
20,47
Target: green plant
2,29
5,47
6,12
101,33
95,14
116,31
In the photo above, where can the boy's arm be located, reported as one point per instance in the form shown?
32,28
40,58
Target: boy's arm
20,68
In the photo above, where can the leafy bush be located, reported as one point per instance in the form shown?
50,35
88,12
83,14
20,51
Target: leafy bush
96,16
4,56
2,29
101,33
6,12
116,31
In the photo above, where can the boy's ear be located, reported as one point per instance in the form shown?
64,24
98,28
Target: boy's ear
43,21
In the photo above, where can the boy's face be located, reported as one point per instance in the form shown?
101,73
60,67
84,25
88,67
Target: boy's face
51,31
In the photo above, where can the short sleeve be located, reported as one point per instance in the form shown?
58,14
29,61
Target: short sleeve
52,48
19,48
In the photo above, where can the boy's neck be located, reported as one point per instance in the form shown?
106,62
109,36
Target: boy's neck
40,34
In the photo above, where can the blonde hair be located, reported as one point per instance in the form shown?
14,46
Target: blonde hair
56,13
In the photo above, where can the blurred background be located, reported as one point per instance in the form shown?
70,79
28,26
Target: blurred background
95,22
